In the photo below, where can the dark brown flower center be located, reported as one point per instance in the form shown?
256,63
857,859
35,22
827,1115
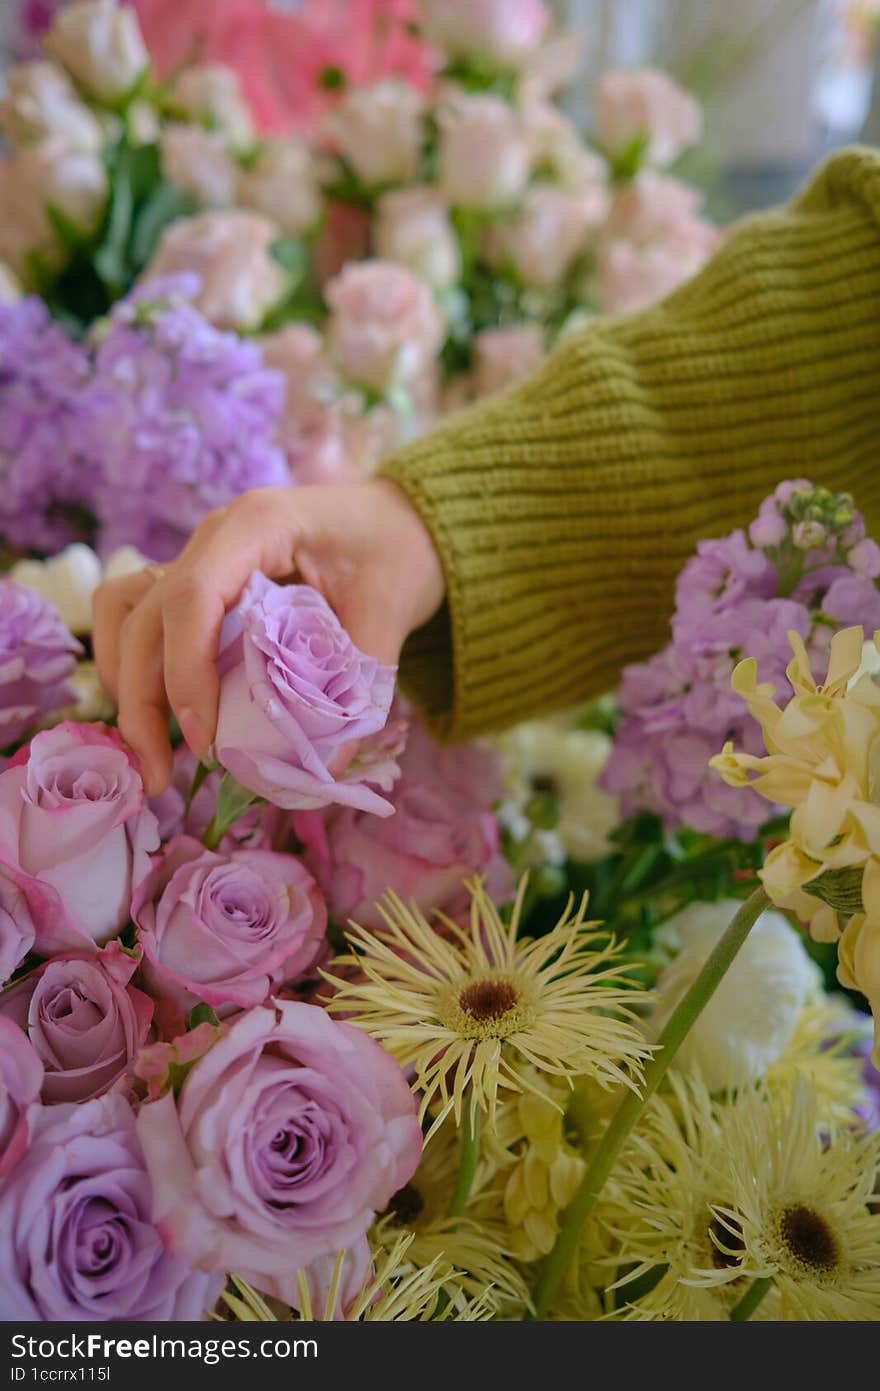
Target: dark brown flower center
809,1238
544,785
488,999
405,1206
731,1242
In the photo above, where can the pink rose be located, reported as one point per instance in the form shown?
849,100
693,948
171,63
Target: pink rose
51,172
282,183
210,93
294,690
378,131
385,327
442,832
17,930
631,277
647,106
312,430
485,156
287,1138
75,832
650,207
21,1076
413,228
198,162
503,31
551,229
226,928
229,250
506,355
84,1018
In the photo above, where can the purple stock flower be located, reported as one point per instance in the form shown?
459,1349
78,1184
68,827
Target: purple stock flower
182,419
77,1239
739,596
37,655
46,480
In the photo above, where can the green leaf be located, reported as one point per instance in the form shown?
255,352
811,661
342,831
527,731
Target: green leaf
233,800
163,205
65,230
333,79
201,1014
291,255
109,260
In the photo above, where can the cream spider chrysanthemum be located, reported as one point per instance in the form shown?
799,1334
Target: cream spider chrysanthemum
821,1050
468,1009
394,1292
476,1247
804,1206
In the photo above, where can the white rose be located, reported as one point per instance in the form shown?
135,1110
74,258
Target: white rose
484,152
68,580
282,183
646,106
41,100
413,227
100,44
197,162
557,148
230,251
378,130
212,95
747,1024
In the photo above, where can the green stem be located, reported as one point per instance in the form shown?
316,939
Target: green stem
467,1164
214,833
686,1012
751,1299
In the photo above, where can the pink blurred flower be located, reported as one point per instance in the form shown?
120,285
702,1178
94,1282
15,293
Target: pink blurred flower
50,172
646,105
100,44
281,183
313,431
229,250
506,355
502,31
484,152
41,100
550,230
385,327
211,94
198,162
653,241
379,132
21,1076
413,228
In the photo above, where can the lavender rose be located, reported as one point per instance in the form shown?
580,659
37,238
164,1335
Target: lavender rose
37,655
77,1239
443,831
16,923
226,928
287,1137
75,832
21,1076
85,1019
293,690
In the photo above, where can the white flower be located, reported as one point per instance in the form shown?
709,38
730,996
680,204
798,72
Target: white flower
211,94
69,580
41,100
545,758
100,45
749,1021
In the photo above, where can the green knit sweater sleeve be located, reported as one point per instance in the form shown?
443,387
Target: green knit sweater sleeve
564,508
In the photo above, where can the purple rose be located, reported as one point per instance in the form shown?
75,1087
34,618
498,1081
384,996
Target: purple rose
37,655
16,923
286,1139
85,1019
74,827
294,690
443,830
226,928
21,1076
77,1239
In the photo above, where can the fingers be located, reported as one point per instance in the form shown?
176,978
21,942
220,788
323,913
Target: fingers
112,603
143,707
193,614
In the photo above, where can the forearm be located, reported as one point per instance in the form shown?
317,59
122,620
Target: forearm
563,510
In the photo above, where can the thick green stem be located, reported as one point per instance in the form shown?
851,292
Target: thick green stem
686,1012
467,1164
751,1299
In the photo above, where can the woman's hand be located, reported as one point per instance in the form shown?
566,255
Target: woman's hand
156,633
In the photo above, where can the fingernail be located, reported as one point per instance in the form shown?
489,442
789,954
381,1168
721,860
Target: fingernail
193,731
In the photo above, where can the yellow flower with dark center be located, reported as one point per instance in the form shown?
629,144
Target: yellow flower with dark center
470,1010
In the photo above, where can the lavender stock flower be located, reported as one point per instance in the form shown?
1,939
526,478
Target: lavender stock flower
37,656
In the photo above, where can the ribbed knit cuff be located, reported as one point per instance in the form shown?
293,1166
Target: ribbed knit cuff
563,509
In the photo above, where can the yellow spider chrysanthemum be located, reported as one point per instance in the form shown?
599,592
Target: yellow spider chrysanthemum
820,1049
711,1196
469,1010
476,1247
394,1292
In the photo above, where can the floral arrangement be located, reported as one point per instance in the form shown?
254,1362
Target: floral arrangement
345,1025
